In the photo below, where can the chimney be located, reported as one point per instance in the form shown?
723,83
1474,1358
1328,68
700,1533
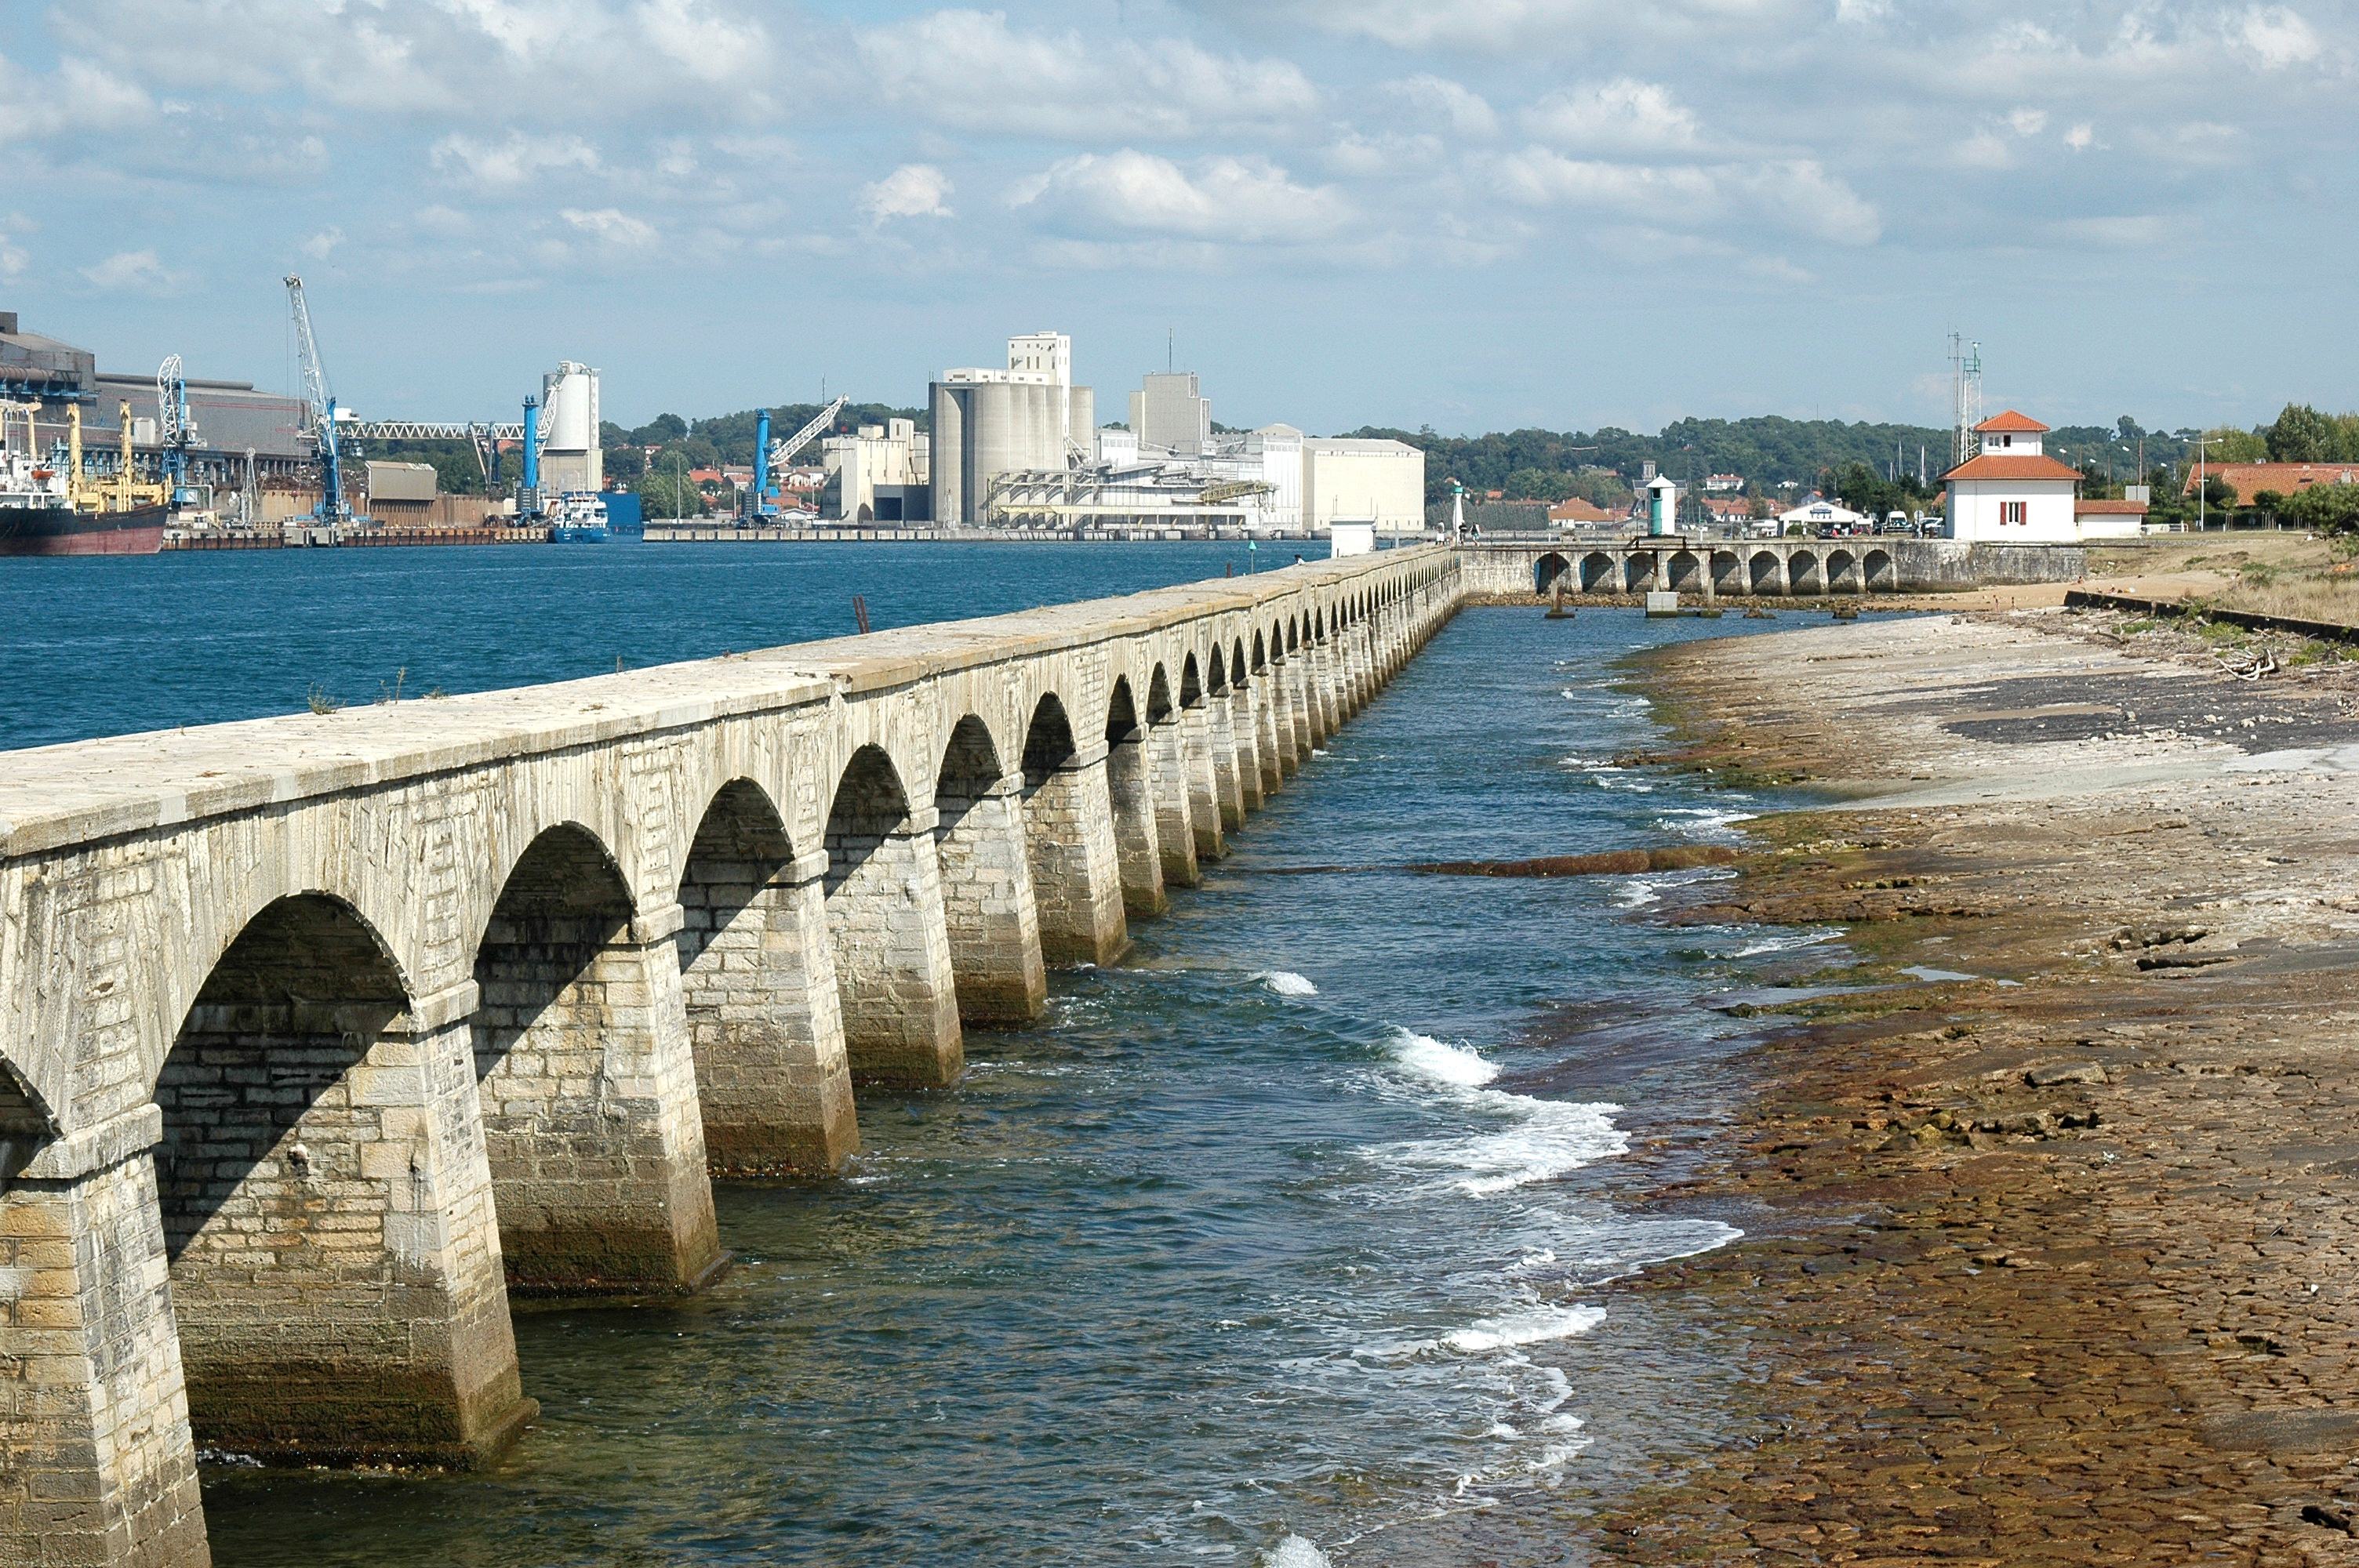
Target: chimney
7,323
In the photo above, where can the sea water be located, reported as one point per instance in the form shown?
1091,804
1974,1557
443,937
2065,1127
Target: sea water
1290,1241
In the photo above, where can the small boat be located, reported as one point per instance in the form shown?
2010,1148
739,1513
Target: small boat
579,517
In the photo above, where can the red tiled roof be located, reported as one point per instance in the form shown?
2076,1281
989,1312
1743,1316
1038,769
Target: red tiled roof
2013,423
1997,466
2109,508
2248,480
1577,510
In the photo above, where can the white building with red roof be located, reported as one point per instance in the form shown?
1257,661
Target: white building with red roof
2013,493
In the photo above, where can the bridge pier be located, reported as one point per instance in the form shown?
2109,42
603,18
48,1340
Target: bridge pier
1245,737
1270,728
987,901
1130,794
1211,764
886,924
588,1083
1172,785
758,990
1285,712
96,1447
1069,829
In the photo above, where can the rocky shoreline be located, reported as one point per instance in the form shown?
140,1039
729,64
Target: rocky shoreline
2049,1183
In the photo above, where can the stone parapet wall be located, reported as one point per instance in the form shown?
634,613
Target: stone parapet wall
1769,569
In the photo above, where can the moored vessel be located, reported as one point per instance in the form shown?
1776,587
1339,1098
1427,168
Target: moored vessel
37,515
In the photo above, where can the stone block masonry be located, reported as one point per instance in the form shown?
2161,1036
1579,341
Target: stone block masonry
320,1036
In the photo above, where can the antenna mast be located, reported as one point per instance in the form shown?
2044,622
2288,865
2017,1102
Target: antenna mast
1966,364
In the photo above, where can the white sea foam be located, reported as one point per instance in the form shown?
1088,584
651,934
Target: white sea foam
1457,1065
1294,1551
1784,941
1532,1326
1285,982
1530,1140
1637,894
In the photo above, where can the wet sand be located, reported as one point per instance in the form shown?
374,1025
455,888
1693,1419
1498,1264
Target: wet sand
2052,1254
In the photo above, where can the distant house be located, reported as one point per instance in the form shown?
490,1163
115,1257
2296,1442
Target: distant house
1723,484
2248,480
2109,519
2013,492
1576,512
1727,508
1816,513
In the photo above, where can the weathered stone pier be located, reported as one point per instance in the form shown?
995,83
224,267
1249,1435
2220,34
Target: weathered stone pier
321,1037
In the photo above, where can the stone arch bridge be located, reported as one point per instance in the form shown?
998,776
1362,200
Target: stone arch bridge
321,1037
1763,568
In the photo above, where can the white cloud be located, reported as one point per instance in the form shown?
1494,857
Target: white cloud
320,244
1245,201
2028,122
514,160
1517,27
610,224
2081,137
967,70
1796,194
12,259
1451,104
1621,113
912,191
2276,36
130,270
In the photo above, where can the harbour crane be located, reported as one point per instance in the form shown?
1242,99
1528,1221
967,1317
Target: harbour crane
769,458
176,432
320,404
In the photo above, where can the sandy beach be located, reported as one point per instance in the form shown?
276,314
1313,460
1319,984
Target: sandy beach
2050,1252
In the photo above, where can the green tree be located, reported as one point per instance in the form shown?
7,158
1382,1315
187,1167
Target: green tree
2226,444
2302,435
2327,508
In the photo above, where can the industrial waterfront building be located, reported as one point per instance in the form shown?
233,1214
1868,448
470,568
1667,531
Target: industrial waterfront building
1027,418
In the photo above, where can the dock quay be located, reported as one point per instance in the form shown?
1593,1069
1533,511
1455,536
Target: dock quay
323,1037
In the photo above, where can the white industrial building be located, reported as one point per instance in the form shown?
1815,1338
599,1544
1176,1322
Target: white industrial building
1170,411
1350,481
1026,417
882,474
2012,493
569,456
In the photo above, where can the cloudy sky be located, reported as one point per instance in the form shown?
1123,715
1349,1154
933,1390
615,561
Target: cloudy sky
1474,215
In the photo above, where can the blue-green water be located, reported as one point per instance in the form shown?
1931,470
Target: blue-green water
109,646
1289,1237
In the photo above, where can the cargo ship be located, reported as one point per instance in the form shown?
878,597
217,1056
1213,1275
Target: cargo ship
38,517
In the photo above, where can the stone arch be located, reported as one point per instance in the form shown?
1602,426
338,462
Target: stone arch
1068,833
1596,569
1726,571
987,906
1237,662
1260,658
1293,634
1768,577
1877,572
318,1145
1158,692
1191,683
1683,572
886,926
1546,569
1802,573
758,994
587,1085
1838,570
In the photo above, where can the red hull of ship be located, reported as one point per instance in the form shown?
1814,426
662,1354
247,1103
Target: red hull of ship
139,532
